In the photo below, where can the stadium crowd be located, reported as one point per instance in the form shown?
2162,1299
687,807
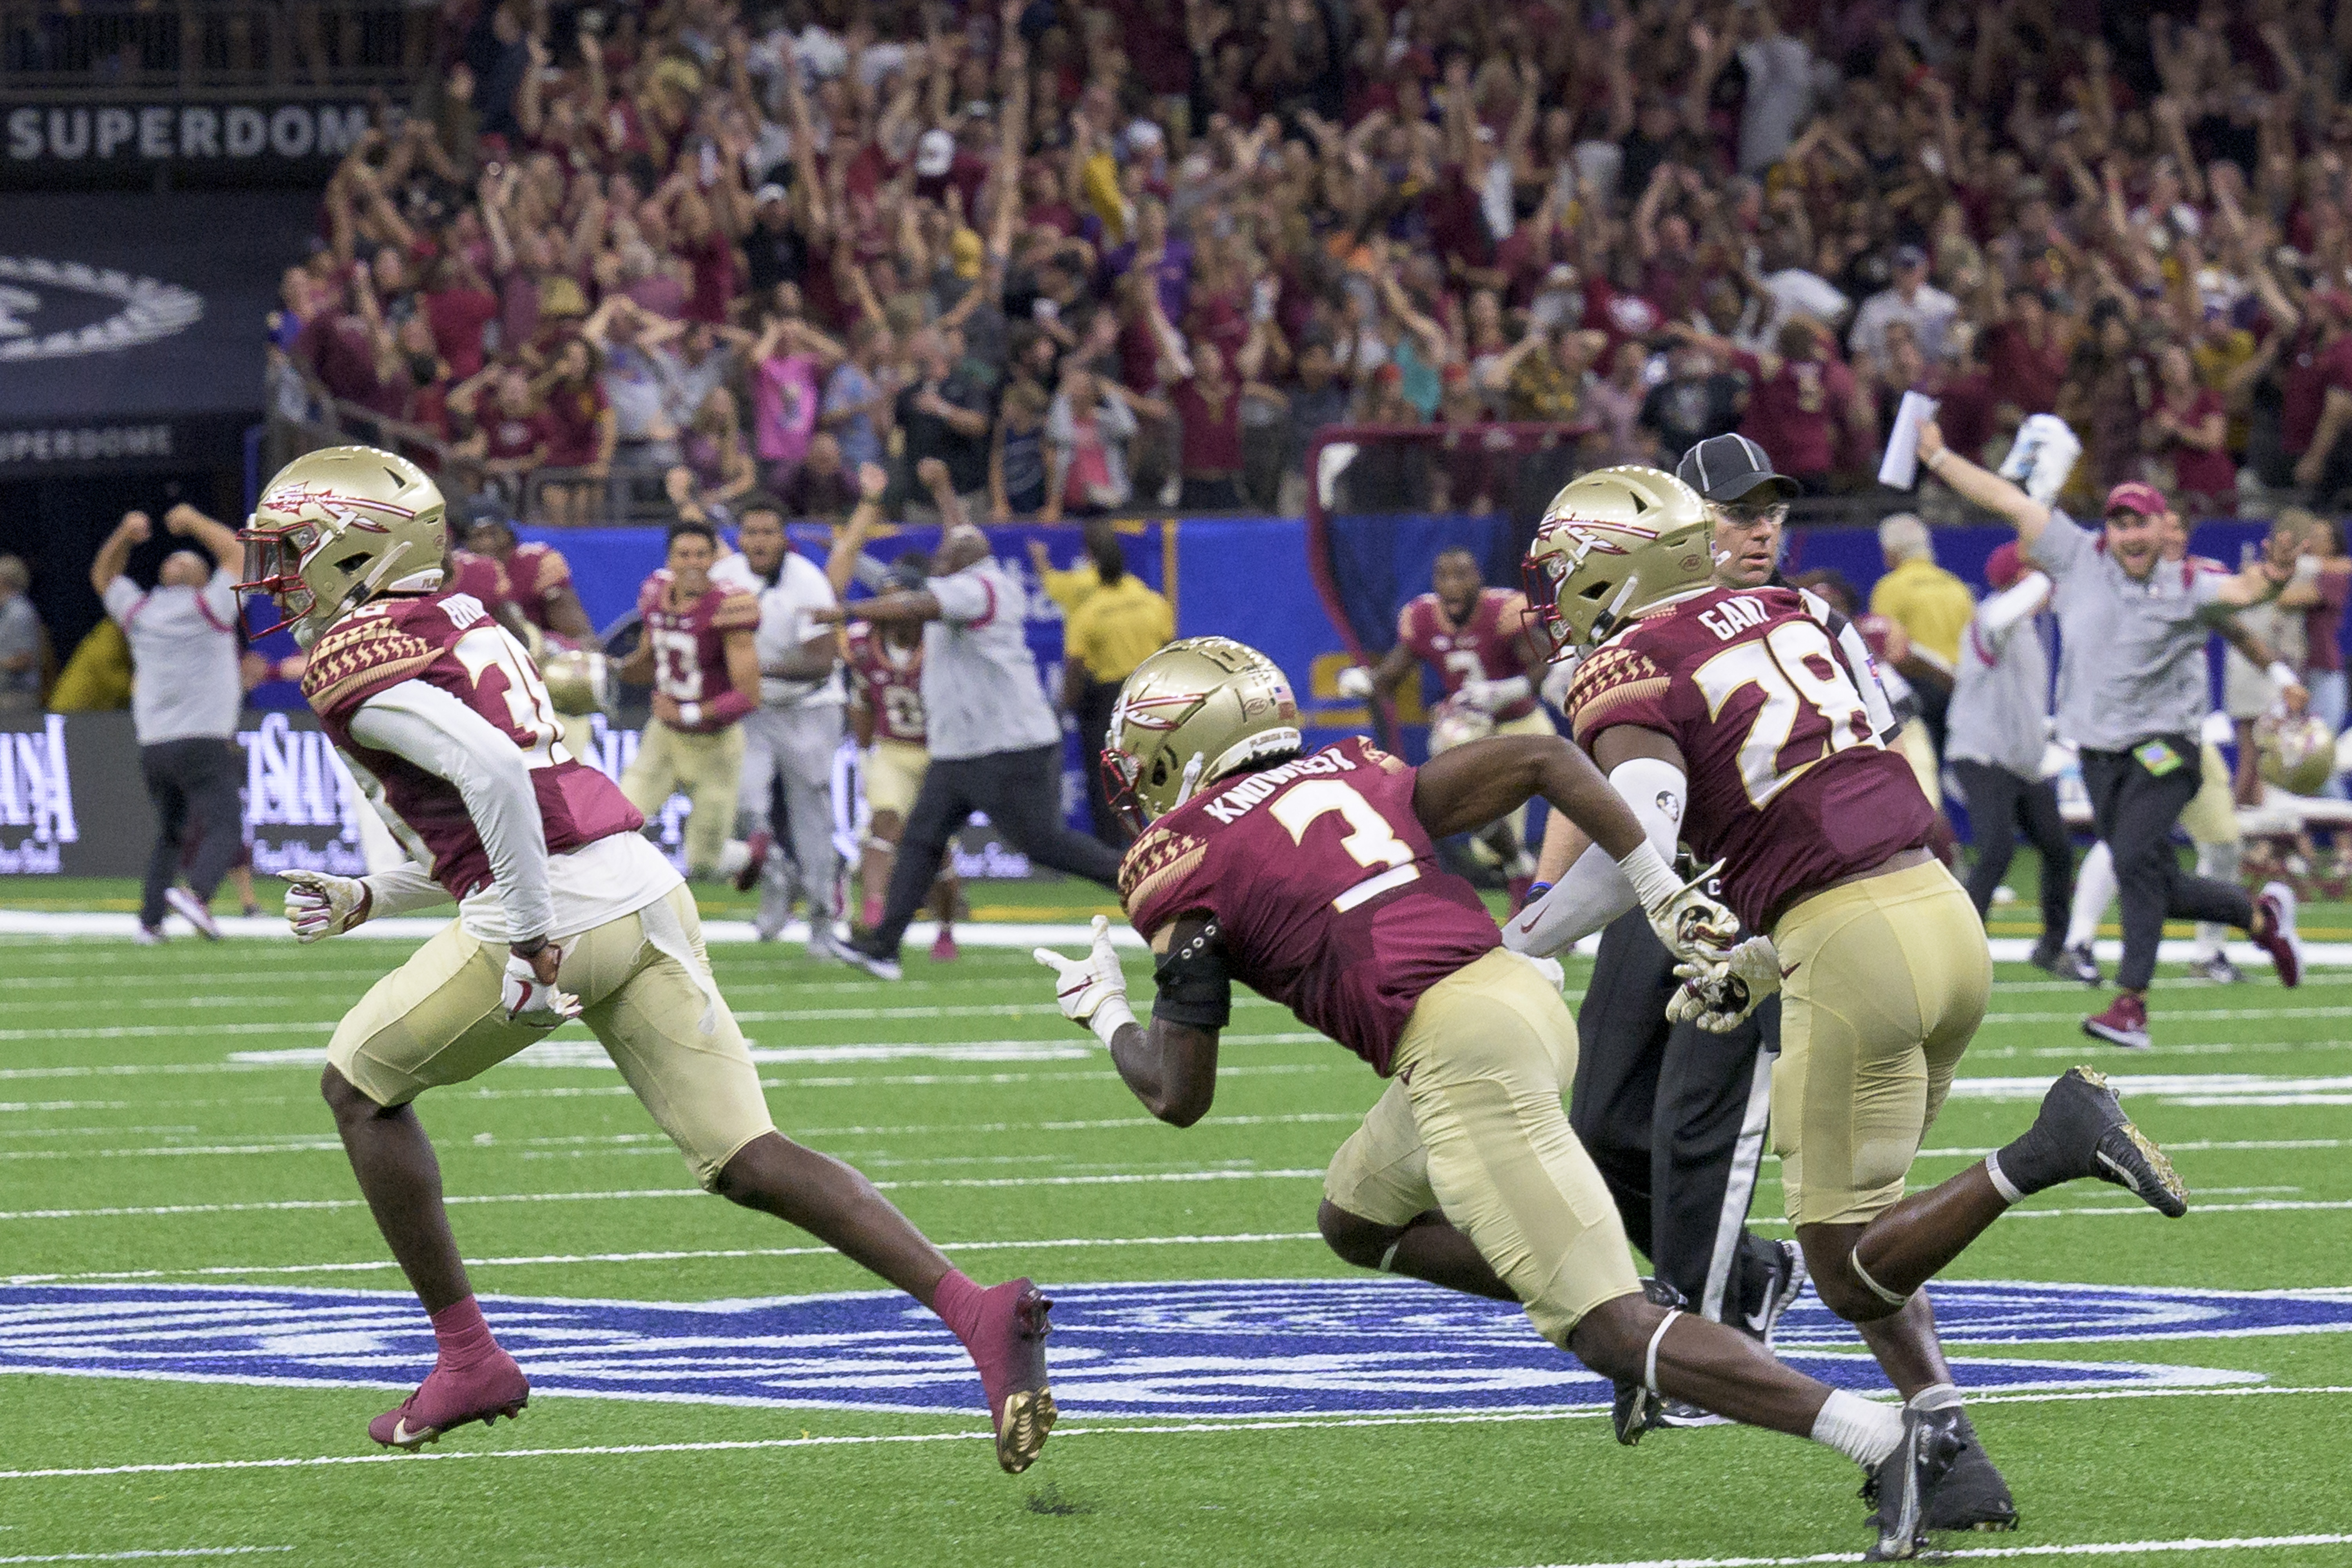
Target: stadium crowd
1138,252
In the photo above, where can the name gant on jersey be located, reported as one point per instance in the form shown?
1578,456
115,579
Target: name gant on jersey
1235,802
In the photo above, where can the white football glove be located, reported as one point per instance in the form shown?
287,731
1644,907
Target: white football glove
1695,927
1479,692
532,1001
1719,997
1092,990
1354,682
319,906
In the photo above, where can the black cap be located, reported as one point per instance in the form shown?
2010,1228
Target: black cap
1728,467
476,510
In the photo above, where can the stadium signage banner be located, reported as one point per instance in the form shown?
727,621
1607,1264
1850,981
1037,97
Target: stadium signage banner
36,801
133,140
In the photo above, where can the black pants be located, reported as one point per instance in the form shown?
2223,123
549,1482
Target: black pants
1675,1118
2135,811
1021,792
2000,805
193,783
1095,704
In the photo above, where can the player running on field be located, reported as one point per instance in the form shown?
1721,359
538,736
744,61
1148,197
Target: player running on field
1311,879
700,651
564,912
1474,638
1728,716
886,712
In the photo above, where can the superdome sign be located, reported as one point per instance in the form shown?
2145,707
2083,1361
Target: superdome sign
1235,1348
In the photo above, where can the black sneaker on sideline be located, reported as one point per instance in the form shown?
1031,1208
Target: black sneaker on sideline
2076,963
879,964
1781,1289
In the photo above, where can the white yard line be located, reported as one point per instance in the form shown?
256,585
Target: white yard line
1244,1238
1138,1429
2086,1549
142,1556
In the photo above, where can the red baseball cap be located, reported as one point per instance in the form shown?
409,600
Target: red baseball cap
2139,497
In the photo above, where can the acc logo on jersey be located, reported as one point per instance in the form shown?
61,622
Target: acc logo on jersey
1246,1348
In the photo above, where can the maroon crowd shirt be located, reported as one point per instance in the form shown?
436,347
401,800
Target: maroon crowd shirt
449,641
1486,644
1326,886
1787,785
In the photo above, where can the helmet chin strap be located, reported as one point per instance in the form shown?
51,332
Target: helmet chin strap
1191,779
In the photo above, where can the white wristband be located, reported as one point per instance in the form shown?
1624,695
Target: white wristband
2282,674
1653,880
1113,1015
689,714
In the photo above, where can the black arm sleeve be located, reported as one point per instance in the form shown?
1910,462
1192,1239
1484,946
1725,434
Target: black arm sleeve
1195,989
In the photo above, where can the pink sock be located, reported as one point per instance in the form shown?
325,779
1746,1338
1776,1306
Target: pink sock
463,1336
957,1301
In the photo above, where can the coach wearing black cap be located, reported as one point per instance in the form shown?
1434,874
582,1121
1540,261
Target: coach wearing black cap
1673,1116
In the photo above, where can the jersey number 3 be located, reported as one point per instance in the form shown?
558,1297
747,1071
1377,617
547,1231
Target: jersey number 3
1369,839
1787,664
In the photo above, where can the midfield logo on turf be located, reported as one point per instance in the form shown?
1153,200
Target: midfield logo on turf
1246,1348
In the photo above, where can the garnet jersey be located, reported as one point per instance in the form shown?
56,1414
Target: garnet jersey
1325,887
448,640
690,645
478,577
1787,785
535,574
889,683
1484,645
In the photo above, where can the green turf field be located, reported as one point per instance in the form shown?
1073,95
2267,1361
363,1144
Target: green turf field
160,1126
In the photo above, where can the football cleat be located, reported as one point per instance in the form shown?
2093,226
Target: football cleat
2124,1024
1009,1348
879,964
2281,942
191,908
449,1398
749,861
1782,1286
1634,1408
2076,963
1682,1412
149,936
824,945
2082,1120
2216,968
1907,1479
944,947
1973,1496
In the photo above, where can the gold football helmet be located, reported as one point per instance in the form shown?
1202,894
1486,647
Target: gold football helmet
336,528
1191,713
1457,724
1612,544
2298,754
579,681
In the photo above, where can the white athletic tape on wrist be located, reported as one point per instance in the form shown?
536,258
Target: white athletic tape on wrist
1113,1015
1649,1361
1881,1292
1654,881
2000,1183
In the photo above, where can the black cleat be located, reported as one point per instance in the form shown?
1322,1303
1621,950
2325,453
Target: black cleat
1973,1496
1635,1409
1907,1479
1782,1286
2082,1122
2076,963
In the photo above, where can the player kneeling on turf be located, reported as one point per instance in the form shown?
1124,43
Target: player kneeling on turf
1311,879
564,912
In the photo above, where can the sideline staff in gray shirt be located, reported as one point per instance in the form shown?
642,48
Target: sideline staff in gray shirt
2135,709
1996,729
185,696
996,744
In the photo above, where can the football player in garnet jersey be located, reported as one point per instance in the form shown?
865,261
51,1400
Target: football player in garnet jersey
1731,715
563,911
1474,638
1311,879
700,650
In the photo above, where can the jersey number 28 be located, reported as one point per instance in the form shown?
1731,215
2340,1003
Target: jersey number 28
1786,663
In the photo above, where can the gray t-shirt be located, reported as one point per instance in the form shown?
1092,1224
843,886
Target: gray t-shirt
183,679
981,692
20,634
2000,696
2133,660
